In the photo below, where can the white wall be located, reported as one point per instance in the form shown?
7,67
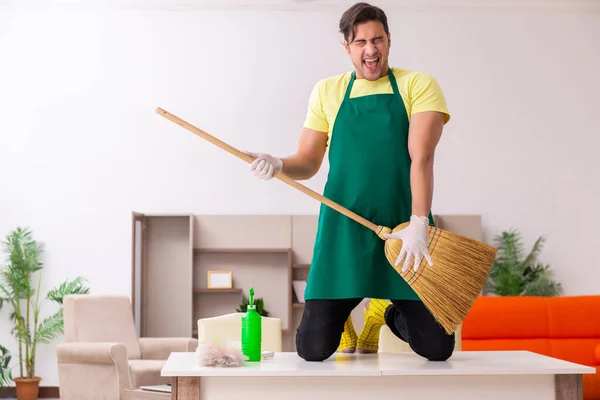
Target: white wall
81,146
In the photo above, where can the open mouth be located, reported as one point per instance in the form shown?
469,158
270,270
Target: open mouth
371,63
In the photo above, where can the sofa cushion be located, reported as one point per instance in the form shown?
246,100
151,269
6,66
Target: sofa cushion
580,351
507,318
147,372
522,317
574,317
540,346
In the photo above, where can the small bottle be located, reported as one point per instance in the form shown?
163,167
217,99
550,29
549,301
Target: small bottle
251,331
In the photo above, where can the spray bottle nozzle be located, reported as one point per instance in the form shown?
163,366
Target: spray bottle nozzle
251,298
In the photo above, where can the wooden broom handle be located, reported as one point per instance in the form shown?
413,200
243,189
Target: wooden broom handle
279,175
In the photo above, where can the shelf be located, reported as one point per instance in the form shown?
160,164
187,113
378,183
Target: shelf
297,305
241,250
206,290
168,215
301,266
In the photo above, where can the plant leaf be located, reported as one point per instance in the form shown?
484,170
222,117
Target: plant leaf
536,249
50,328
5,368
67,287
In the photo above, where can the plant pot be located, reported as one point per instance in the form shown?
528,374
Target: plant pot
27,388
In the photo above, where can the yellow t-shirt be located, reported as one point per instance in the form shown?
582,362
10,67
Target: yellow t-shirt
420,92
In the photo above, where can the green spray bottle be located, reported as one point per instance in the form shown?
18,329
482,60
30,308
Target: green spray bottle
252,331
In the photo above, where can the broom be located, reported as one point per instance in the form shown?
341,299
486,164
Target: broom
460,264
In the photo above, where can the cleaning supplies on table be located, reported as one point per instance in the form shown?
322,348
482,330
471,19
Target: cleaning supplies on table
251,331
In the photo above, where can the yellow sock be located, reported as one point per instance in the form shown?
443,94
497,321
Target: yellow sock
368,342
348,340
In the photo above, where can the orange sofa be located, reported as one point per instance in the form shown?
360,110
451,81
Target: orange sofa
567,328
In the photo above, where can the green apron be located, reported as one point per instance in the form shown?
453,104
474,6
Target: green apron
369,174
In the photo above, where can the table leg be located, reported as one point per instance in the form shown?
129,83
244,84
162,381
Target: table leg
185,388
568,387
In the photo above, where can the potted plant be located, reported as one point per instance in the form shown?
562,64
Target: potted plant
21,292
516,274
258,302
5,368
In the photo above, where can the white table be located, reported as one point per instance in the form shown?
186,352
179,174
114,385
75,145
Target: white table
497,375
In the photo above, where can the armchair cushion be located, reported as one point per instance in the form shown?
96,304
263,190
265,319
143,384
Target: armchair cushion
152,348
147,372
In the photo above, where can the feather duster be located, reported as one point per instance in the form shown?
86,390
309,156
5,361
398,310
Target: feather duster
220,354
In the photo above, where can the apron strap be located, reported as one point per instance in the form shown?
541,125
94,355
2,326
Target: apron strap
393,82
349,88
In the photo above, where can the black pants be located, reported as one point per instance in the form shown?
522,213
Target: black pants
322,325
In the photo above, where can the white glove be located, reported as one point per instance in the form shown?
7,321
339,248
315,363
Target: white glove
265,165
414,242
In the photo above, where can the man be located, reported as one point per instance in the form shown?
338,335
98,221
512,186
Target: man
381,127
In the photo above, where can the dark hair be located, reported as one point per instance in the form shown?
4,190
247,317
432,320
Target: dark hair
358,13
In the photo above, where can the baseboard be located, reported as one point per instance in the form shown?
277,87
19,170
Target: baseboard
46,392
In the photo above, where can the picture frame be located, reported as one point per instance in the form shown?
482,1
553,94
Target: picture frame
219,279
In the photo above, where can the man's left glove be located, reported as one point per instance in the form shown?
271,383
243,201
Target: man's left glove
414,242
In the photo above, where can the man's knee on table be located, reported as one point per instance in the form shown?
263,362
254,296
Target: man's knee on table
440,350
314,351
311,348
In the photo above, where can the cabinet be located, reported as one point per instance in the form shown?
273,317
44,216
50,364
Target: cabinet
172,254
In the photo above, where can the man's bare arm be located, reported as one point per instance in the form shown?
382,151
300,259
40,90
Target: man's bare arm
424,134
306,162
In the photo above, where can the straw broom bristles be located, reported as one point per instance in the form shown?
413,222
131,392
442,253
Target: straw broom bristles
451,285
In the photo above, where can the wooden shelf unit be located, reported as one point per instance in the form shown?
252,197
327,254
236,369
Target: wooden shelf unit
263,252
240,250
217,290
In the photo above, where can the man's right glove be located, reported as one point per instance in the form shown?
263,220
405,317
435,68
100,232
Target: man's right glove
265,165
414,242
